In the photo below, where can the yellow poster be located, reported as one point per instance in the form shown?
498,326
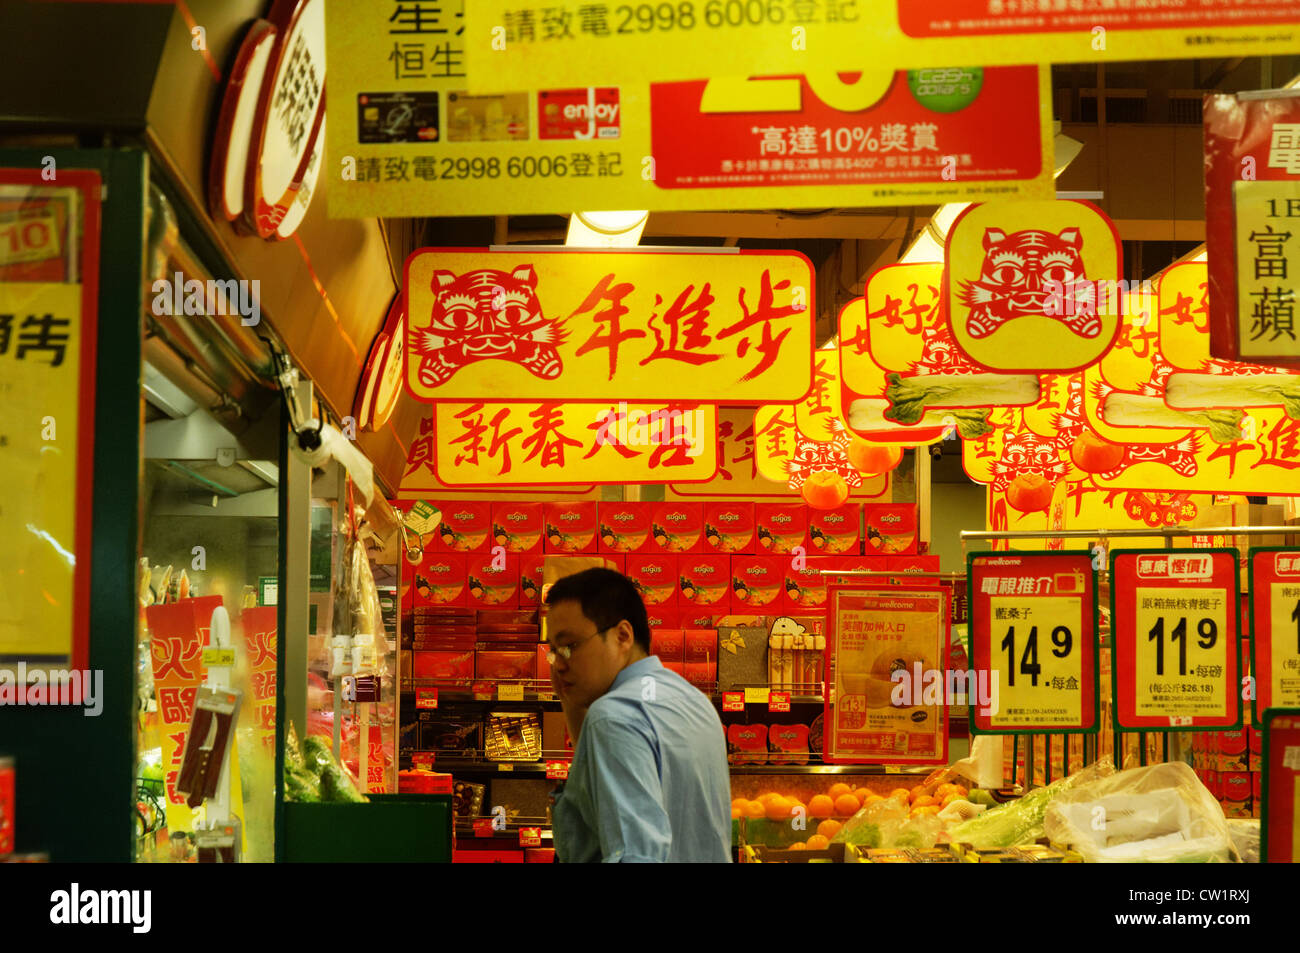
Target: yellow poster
484,444
1265,213
1037,657
416,129
548,324
40,348
509,42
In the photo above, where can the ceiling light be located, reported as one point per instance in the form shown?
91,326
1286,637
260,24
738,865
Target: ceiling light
606,229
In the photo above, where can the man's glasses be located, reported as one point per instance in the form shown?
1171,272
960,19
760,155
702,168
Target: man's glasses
566,651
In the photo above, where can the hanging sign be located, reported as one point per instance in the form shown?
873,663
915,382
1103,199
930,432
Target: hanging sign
508,444
49,296
413,136
1174,624
887,649
647,326
260,625
1033,643
510,42
1252,214
381,381
1280,808
1275,628
1033,286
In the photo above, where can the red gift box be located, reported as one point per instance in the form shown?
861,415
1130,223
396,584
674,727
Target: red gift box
466,528
488,585
495,663
729,528
655,578
757,583
834,532
780,527
440,581
913,564
678,527
625,528
703,675
704,580
445,665
805,589
668,644
890,528
570,527
662,617
517,527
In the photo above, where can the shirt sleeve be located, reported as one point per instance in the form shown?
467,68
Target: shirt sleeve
632,824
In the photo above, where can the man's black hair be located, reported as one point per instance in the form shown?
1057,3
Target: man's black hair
607,597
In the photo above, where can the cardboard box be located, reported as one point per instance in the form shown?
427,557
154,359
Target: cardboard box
780,527
704,580
835,532
530,580
913,564
742,657
488,585
703,675
661,617
890,529
517,527
625,528
729,527
440,581
448,665
678,527
678,667
570,527
701,645
757,584
466,527
747,744
1237,794
655,577
668,644
505,664
788,744
805,589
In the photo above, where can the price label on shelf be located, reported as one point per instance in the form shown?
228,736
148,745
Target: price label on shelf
505,766
778,702
557,770
426,698
483,692
1275,627
510,693
422,759
530,837
733,701
219,657
1176,639
483,827
757,696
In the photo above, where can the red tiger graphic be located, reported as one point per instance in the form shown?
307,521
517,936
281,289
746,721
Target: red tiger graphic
1027,452
1016,276
484,315
832,455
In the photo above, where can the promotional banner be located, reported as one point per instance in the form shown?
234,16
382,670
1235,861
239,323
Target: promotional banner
1275,628
887,652
1033,640
533,444
1252,203
260,626
646,326
1280,811
49,290
904,377
1033,286
1174,629
510,41
813,468
410,134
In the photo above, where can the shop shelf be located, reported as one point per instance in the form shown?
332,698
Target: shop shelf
392,828
819,768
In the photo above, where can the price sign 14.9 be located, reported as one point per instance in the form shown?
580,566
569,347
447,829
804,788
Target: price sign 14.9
1039,660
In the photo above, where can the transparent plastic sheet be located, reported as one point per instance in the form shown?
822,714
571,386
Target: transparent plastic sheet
1021,821
1157,814
1245,838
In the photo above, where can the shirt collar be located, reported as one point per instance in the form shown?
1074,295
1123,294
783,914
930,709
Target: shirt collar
641,667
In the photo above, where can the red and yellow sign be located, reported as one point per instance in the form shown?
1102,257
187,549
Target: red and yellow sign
1174,620
1033,642
1252,226
1033,286
1280,811
878,711
1275,628
646,326
260,626
507,444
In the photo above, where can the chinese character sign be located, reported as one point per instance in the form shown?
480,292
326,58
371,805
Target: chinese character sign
584,325
1174,623
259,625
1252,214
1033,286
1275,628
509,444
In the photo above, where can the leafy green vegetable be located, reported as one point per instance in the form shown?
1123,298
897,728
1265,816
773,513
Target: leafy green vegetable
1021,821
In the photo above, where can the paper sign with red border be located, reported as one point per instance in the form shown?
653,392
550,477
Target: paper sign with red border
530,837
1174,626
426,698
1275,628
1033,643
778,702
1280,803
733,701
557,770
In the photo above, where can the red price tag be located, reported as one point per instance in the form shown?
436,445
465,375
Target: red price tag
778,701
557,770
426,698
422,759
530,837
484,692
733,701
483,827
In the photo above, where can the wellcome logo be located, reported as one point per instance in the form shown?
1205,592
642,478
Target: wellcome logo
133,908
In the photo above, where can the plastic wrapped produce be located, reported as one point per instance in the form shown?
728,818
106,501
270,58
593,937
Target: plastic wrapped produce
1021,820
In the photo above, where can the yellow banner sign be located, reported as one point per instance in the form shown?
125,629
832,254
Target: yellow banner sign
413,136
511,42
484,444
582,325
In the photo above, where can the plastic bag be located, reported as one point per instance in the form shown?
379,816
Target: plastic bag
1157,814
1245,838
1021,821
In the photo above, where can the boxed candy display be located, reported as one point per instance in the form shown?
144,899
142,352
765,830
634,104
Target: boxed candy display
455,667
757,583
678,527
781,527
465,528
668,644
655,577
570,527
491,581
747,744
704,580
729,527
517,527
890,528
625,527
788,744
440,581
491,662
835,532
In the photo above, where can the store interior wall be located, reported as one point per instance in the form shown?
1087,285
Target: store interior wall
954,507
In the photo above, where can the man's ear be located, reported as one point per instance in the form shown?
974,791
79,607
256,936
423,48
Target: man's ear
625,634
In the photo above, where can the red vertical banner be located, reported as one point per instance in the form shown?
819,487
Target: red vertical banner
1275,628
1280,814
1174,626
260,643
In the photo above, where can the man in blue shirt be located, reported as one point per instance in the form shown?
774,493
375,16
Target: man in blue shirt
649,780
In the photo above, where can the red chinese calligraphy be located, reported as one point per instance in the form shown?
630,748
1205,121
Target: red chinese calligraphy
173,652
546,438
263,685
1281,445
421,454
816,402
261,649
472,420
765,313
685,323
176,704
613,336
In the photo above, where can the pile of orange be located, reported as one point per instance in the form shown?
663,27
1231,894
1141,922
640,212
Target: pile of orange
840,802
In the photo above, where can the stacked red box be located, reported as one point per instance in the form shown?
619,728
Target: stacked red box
757,584
678,527
440,580
530,580
493,580
655,577
466,527
570,527
625,528
780,528
729,527
805,587
835,532
517,527
1237,794
668,644
701,617
1255,746
907,565
662,617
890,529
704,580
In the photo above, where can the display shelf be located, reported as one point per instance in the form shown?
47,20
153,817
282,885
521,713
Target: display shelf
819,768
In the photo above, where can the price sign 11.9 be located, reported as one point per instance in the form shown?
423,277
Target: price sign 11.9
1182,654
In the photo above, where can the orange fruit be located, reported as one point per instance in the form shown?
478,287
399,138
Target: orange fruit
818,842
797,845
948,799
739,802
862,794
778,809
943,790
821,806
754,810
924,801
867,457
846,805
839,789
765,797
927,809
824,490
737,811
902,793
875,798
1029,493
828,828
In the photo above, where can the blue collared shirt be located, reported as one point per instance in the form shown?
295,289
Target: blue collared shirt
649,780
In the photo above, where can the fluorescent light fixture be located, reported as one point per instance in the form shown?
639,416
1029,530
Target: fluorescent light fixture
924,250
1065,150
606,229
